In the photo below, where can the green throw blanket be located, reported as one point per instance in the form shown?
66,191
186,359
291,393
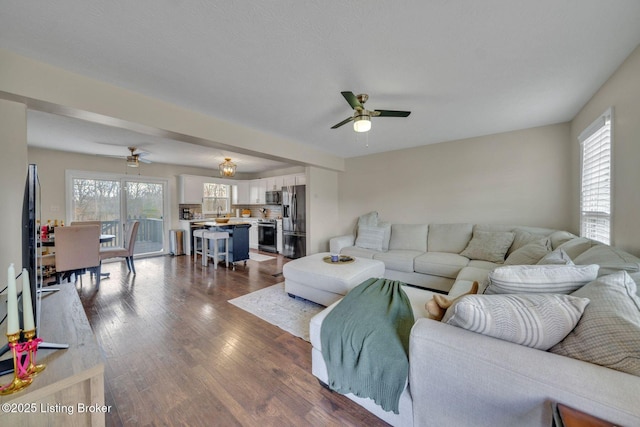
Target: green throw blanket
365,342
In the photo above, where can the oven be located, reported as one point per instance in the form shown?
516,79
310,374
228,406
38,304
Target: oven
267,236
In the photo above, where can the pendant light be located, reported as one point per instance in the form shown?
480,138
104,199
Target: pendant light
227,168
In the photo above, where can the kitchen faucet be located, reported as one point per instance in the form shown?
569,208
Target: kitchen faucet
219,211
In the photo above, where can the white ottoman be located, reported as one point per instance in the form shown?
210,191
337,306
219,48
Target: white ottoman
315,280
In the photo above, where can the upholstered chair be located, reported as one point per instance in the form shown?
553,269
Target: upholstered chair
126,251
76,250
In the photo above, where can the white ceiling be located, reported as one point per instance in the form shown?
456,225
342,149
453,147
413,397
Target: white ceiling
464,68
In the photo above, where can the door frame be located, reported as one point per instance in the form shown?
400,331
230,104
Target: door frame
166,223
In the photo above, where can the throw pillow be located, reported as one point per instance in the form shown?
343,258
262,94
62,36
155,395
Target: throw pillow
609,332
368,219
558,257
538,321
370,237
538,279
575,247
489,245
530,253
560,237
386,226
521,238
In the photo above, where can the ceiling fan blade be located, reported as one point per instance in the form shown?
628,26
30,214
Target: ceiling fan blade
143,160
352,100
391,113
344,122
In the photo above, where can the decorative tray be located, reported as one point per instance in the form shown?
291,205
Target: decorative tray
344,259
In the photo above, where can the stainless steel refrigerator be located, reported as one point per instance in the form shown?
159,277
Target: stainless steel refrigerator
294,217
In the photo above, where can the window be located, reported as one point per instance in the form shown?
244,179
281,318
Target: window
114,200
216,198
595,194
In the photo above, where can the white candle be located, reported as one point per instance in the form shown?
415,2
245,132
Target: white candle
27,306
12,302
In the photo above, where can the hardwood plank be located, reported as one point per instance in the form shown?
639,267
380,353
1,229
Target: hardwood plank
177,353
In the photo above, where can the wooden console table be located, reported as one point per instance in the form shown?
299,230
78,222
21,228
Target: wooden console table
70,391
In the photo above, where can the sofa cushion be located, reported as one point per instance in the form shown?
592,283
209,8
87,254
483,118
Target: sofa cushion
609,259
558,257
442,264
451,238
534,320
530,253
411,237
609,332
358,252
489,245
397,259
559,237
557,279
575,247
370,237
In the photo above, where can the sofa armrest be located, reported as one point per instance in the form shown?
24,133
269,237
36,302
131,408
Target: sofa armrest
458,377
337,243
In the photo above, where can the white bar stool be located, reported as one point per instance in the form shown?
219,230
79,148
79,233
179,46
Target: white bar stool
214,236
199,234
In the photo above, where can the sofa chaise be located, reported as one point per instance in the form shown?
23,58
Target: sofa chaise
461,377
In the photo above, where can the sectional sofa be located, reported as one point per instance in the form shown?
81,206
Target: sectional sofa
458,376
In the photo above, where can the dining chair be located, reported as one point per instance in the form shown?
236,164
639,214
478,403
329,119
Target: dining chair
77,249
125,251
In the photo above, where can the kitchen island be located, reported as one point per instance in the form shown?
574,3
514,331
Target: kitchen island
238,239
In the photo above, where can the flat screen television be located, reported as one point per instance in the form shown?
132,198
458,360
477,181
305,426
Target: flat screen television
30,259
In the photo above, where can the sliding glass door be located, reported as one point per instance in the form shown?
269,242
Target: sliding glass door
115,200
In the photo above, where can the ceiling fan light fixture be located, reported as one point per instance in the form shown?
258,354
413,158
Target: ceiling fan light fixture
132,161
362,123
227,168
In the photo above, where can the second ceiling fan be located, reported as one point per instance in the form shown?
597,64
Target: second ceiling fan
361,116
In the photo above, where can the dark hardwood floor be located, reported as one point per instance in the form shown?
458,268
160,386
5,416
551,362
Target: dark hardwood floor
177,353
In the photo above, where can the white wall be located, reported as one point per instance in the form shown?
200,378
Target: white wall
13,167
622,91
519,177
322,205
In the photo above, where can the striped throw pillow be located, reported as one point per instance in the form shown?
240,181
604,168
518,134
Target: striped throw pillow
608,333
526,279
533,320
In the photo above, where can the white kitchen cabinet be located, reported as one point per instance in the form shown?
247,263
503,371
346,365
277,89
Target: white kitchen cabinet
257,190
295,179
241,193
190,188
253,235
274,183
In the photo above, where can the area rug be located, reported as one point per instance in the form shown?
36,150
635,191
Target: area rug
259,257
273,305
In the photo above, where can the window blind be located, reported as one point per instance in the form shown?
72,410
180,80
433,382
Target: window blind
595,196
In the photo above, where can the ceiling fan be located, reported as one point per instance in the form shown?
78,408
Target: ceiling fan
134,159
361,116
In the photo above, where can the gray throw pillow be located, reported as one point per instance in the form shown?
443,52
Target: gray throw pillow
534,320
539,279
489,245
608,333
370,218
558,257
370,237
530,253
